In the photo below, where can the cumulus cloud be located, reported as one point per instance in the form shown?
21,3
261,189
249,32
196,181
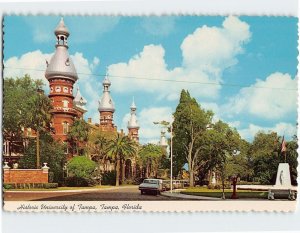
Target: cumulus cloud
282,128
206,53
272,98
34,64
148,131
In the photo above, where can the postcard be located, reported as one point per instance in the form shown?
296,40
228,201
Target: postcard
180,113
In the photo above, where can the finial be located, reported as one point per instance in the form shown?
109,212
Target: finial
133,107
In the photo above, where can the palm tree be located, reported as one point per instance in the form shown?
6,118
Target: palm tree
78,133
120,147
40,118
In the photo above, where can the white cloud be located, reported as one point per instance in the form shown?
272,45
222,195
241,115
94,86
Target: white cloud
266,103
34,64
213,48
148,131
206,53
282,128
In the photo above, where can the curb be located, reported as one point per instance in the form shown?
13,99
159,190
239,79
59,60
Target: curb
189,197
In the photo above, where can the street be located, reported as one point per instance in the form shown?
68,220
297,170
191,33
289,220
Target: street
127,193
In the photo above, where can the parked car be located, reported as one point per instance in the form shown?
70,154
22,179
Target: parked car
151,186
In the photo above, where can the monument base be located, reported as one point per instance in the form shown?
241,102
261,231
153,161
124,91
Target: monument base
283,178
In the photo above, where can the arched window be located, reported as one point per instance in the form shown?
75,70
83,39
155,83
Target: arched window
65,127
65,103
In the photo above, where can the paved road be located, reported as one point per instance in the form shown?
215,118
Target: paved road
129,193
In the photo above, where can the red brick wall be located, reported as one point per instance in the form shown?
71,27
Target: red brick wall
25,176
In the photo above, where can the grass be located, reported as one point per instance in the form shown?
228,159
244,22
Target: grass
201,191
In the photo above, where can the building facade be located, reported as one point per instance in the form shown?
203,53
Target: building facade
61,74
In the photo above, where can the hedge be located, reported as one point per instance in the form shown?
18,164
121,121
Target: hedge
29,185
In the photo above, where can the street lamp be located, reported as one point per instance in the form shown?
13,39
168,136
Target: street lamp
163,143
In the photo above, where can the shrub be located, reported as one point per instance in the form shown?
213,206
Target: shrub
9,186
29,185
81,167
50,185
128,181
50,177
217,186
109,178
75,181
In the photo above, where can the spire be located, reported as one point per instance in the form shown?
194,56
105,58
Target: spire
133,122
106,103
133,107
61,64
61,28
80,101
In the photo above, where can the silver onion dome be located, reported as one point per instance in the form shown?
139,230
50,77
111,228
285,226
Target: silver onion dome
61,29
61,64
133,122
106,103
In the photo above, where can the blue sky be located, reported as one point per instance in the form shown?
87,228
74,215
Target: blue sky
242,68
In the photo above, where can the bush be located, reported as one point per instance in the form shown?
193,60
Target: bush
9,186
29,185
75,181
109,178
50,185
128,181
51,176
81,167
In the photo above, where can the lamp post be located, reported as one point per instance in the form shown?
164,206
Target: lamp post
166,124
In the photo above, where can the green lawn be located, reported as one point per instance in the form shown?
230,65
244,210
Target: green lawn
201,191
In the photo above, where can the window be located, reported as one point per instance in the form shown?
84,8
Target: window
57,89
65,127
66,90
65,103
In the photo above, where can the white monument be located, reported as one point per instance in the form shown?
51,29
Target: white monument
213,179
283,178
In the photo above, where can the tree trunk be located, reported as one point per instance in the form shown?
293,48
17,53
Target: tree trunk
141,171
123,170
38,149
118,172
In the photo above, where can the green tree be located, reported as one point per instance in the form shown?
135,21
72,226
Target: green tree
120,147
151,156
52,153
216,148
97,146
25,105
190,123
265,156
78,135
81,167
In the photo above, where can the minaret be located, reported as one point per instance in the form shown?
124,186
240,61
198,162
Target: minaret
106,108
133,125
79,103
62,75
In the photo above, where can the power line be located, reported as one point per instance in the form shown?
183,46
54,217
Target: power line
170,80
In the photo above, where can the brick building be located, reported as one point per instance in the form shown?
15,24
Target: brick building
61,75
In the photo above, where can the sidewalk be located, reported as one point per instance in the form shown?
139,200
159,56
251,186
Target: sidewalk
177,194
